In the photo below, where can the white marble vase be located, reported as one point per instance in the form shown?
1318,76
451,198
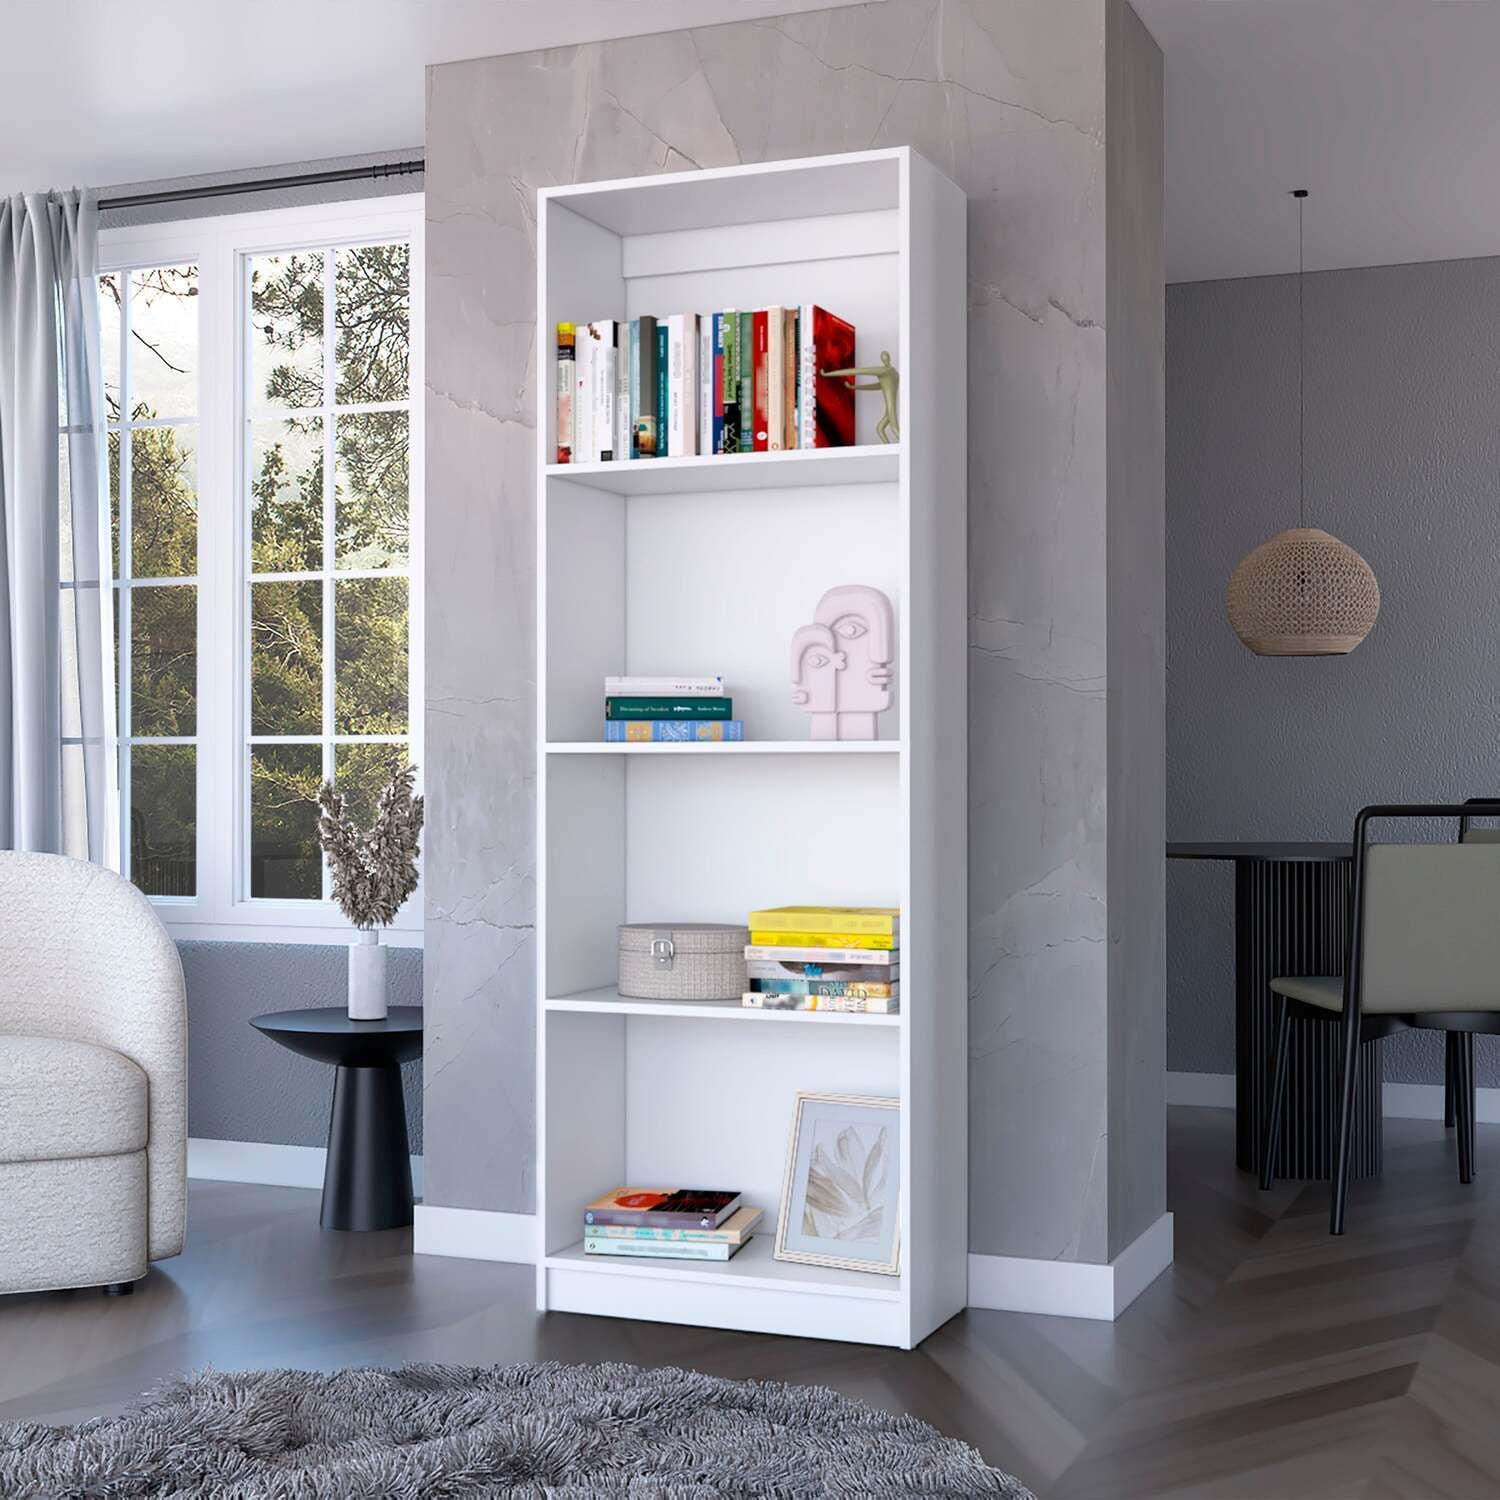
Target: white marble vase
367,977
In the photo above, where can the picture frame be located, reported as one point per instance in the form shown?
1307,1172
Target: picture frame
841,1192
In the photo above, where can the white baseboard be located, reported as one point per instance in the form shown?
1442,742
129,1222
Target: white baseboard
1399,1101
1072,1289
475,1234
268,1164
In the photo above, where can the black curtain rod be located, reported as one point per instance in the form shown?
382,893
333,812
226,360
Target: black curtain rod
266,184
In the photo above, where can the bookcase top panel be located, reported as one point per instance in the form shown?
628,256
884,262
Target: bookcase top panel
738,195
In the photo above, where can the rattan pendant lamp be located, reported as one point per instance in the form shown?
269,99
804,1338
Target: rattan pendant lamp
1304,592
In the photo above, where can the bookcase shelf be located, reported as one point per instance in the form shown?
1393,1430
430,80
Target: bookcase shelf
872,463
707,565
726,747
608,1001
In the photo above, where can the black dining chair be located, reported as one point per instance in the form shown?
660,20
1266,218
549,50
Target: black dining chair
1423,950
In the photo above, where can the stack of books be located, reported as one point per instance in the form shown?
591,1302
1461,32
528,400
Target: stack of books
672,710
704,383
669,1223
837,958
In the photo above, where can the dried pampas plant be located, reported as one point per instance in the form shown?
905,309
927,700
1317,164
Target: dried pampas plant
373,872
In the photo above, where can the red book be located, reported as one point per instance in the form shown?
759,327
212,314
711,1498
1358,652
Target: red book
762,427
826,402
663,1208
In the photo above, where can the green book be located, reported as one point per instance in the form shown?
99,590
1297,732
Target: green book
746,349
729,379
668,708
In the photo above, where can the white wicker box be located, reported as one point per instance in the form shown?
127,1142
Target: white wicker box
682,961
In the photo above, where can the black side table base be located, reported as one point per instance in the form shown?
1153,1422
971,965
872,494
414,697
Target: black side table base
367,1181
1290,918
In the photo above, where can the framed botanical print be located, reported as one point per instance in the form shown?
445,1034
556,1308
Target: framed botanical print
841,1196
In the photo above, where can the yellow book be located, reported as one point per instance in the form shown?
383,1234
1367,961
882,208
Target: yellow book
761,939
869,919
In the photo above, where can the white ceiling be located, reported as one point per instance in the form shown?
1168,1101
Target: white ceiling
107,91
1388,111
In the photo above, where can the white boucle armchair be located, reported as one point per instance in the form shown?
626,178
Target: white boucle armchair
93,1079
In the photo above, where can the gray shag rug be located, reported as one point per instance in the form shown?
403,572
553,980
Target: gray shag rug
565,1432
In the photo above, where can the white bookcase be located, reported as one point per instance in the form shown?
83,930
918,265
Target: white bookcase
708,565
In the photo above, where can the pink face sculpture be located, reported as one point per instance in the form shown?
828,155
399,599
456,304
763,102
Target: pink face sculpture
855,627
816,663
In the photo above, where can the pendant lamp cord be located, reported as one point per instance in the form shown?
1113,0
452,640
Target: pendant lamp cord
1301,196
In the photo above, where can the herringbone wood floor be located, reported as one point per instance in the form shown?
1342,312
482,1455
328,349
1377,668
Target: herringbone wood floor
1272,1362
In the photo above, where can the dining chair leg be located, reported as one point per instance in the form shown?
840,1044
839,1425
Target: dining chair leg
1346,1125
1272,1140
1463,1069
1449,1113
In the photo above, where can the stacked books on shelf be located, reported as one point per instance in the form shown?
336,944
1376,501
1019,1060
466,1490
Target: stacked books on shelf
670,710
694,384
669,1223
833,958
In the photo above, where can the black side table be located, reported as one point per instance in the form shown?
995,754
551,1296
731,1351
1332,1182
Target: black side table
367,1181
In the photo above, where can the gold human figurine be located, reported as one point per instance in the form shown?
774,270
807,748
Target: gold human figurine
888,382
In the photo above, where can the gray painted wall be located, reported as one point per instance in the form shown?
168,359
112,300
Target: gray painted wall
241,1085
1403,454
1007,97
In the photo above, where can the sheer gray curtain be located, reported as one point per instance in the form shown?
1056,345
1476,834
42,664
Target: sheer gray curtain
58,772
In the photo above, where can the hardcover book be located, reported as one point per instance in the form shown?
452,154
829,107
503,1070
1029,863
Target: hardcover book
663,399
666,1208
846,940
838,1004
583,403
600,338
775,377
745,345
661,1249
760,337
623,428
634,357
726,383
889,961
672,731
735,1230
670,687
855,989
827,416
645,424
632,707
682,388
789,377
881,919
705,378
845,973
564,389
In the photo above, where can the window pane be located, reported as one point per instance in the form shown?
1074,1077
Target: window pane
109,342
371,315
285,861
162,380
163,502
64,511
164,660
370,490
370,656
163,819
286,658
361,772
286,496
286,330
114,504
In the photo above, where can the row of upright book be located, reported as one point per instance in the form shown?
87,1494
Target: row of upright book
669,710
695,384
830,958
669,1223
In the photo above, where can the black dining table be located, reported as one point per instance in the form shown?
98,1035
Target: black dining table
1291,914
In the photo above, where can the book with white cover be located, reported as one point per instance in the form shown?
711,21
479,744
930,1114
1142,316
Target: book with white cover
682,385
622,391
584,451
663,687
705,383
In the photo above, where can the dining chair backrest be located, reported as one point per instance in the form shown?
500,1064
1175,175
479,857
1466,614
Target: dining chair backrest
1431,927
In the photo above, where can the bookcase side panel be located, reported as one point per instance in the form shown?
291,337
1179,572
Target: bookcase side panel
934,430
585,896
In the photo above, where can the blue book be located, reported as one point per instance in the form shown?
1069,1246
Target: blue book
672,731
661,389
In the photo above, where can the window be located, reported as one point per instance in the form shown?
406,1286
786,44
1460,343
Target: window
264,459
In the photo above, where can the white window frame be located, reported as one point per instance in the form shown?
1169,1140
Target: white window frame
222,909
